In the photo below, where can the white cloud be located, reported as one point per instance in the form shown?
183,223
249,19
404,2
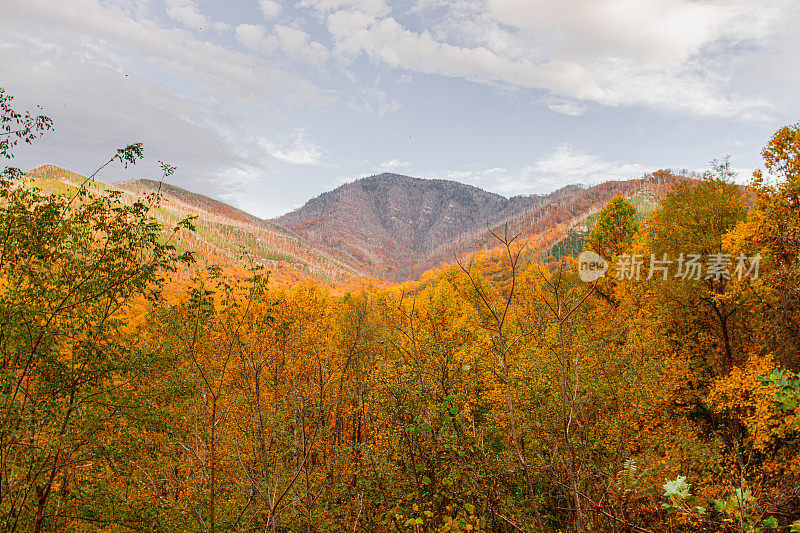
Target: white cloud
221,26
663,54
659,34
269,9
564,166
110,75
295,43
378,8
185,12
105,34
251,36
119,71
392,165
565,107
387,41
297,151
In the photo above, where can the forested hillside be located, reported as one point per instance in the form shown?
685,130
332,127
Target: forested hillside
396,227
391,223
143,390
221,232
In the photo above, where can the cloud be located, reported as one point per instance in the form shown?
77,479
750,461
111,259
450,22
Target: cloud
110,75
564,166
221,26
214,103
293,42
377,8
387,41
251,36
106,35
269,9
670,55
297,151
572,109
660,34
93,119
297,44
392,165
185,12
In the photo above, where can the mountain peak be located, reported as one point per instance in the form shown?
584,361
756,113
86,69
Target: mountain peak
391,178
395,226
390,221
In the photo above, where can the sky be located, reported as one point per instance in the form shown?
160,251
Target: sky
265,104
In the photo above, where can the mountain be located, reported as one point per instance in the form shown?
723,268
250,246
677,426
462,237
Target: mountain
552,217
390,223
397,226
223,233
389,226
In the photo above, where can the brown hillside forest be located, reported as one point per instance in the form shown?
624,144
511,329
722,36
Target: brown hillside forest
145,387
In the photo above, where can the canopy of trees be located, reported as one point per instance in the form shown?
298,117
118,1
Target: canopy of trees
143,391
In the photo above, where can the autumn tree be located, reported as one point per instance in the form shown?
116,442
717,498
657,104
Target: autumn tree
772,229
614,230
688,231
505,333
70,266
611,236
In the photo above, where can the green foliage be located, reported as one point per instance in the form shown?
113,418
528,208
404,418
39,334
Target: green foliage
741,508
16,127
616,225
694,217
571,245
447,484
787,388
70,268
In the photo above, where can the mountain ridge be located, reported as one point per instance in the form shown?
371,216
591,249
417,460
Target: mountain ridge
386,226
222,232
389,221
397,226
